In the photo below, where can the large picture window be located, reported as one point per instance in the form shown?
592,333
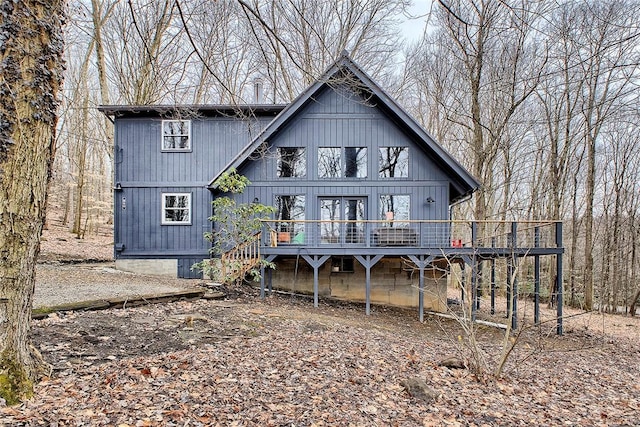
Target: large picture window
290,208
396,208
176,135
342,162
176,208
393,162
292,162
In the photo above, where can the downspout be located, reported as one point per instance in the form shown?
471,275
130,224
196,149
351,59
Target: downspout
451,206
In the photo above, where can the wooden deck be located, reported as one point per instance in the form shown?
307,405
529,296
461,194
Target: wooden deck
424,243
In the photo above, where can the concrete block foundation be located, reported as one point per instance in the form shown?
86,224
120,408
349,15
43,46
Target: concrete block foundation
392,282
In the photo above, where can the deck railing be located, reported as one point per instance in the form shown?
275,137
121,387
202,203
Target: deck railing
415,234
238,261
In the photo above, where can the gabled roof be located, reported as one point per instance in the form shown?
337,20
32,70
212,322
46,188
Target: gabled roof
465,183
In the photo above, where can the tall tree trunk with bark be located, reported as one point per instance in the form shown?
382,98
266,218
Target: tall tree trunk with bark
31,64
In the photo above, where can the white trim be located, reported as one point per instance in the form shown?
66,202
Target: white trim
163,217
188,135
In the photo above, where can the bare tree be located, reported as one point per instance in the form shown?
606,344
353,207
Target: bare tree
297,39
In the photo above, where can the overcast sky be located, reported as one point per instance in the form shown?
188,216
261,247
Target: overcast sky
412,28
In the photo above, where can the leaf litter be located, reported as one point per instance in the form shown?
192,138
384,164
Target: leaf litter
277,362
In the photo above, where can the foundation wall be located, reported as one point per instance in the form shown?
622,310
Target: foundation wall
392,282
155,267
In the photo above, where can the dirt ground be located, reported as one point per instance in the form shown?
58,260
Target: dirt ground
250,362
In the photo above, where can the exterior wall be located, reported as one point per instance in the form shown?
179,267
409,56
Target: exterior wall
391,283
143,173
335,120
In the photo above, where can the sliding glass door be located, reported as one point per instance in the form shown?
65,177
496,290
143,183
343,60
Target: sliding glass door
342,220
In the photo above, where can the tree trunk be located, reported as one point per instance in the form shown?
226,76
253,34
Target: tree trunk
634,302
31,50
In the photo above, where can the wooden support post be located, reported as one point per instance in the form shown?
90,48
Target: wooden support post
474,287
316,262
315,286
509,274
536,279
262,293
493,279
421,295
514,281
421,262
559,279
367,262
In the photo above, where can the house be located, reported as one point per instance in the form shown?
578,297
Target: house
362,192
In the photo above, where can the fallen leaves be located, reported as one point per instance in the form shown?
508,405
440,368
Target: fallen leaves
277,363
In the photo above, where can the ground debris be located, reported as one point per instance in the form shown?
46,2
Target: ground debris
282,362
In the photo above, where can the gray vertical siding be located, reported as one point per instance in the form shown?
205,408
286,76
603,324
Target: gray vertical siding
335,120
145,172
331,119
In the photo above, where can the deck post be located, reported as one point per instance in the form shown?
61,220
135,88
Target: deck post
421,262
421,293
514,281
536,278
493,279
559,278
315,282
367,289
509,275
315,261
474,286
367,262
262,294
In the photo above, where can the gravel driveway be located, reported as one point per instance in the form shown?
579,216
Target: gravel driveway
58,284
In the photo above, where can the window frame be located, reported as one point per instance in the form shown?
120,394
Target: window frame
380,158
343,163
163,135
302,152
397,222
189,208
290,232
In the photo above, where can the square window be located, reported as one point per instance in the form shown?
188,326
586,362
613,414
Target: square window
176,135
292,162
176,208
395,208
329,162
393,162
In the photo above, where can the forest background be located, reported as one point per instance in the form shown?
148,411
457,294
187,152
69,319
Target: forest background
538,99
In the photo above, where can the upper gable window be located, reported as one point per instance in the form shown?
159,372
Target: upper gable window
393,162
176,135
342,162
176,208
292,162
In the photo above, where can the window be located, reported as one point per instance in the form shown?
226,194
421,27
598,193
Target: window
393,162
346,162
395,208
342,220
290,208
342,264
329,162
292,162
176,208
176,135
